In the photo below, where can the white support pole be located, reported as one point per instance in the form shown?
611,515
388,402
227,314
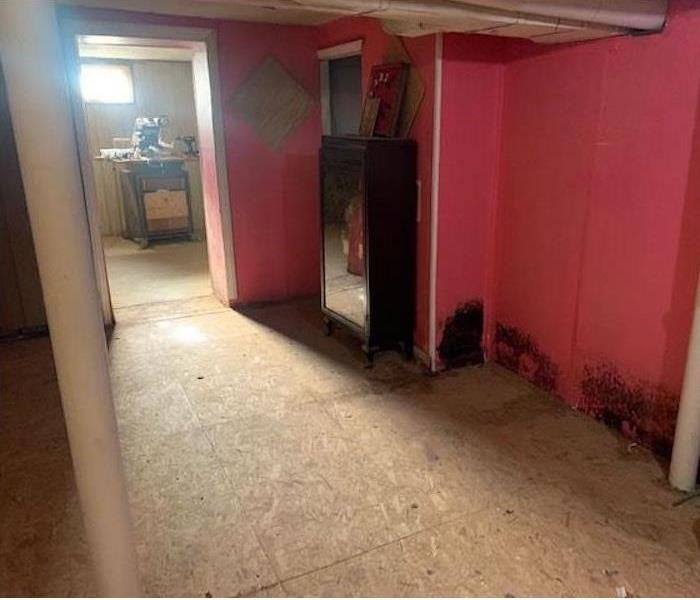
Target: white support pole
686,443
435,204
31,55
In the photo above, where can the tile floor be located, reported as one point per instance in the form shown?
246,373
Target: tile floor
263,459
162,272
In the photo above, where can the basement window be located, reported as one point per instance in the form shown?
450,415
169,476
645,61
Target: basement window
106,83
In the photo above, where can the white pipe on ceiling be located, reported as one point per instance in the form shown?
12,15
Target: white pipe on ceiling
631,14
639,15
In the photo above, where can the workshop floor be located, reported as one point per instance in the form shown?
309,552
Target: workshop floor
162,272
262,458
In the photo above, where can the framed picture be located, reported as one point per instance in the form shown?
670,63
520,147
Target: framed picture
370,111
387,84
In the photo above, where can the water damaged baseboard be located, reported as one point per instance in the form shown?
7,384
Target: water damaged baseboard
462,335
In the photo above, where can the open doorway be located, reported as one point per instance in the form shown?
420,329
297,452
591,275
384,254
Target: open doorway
141,125
341,88
345,76
153,163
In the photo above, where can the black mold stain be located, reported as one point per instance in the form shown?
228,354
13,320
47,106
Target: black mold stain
520,353
461,336
640,410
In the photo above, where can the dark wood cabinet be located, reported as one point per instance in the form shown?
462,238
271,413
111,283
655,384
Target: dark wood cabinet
368,233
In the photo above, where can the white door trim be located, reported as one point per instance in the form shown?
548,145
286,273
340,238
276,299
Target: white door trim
98,258
434,204
72,27
353,48
325,55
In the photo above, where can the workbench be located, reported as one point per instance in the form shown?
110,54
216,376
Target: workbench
155,198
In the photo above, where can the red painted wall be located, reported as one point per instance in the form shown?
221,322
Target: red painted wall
472,89
598,227
550,117
422,53
569,202
273,193
569,190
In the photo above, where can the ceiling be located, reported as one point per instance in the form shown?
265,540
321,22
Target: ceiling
543,21
221,9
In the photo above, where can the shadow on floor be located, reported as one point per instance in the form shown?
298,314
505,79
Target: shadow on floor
512,421
42,547
263,458
301,321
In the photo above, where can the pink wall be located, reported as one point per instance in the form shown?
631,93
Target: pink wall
569,182
598,222
550,116
568,199
273,193
472,82
422,52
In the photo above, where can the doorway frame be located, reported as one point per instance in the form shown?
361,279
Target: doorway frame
325,56
205,38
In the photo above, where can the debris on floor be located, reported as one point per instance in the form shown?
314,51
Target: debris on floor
249,485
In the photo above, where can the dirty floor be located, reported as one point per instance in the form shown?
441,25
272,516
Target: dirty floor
165,271
263,459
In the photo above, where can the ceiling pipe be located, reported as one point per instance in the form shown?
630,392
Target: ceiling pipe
421,17
607,16
648,15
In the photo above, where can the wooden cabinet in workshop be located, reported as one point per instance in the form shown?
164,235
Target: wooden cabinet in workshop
368,232
155,200
167,212
111,197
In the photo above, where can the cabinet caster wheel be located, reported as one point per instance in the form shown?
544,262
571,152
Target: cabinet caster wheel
327,327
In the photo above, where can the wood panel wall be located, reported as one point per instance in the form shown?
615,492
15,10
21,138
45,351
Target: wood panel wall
160,88
21,302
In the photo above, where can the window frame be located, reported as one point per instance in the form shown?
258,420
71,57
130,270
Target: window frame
109,63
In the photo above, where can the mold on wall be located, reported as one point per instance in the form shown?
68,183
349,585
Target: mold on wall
470,132
462,336
640,410
568,200
598,222
518,352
